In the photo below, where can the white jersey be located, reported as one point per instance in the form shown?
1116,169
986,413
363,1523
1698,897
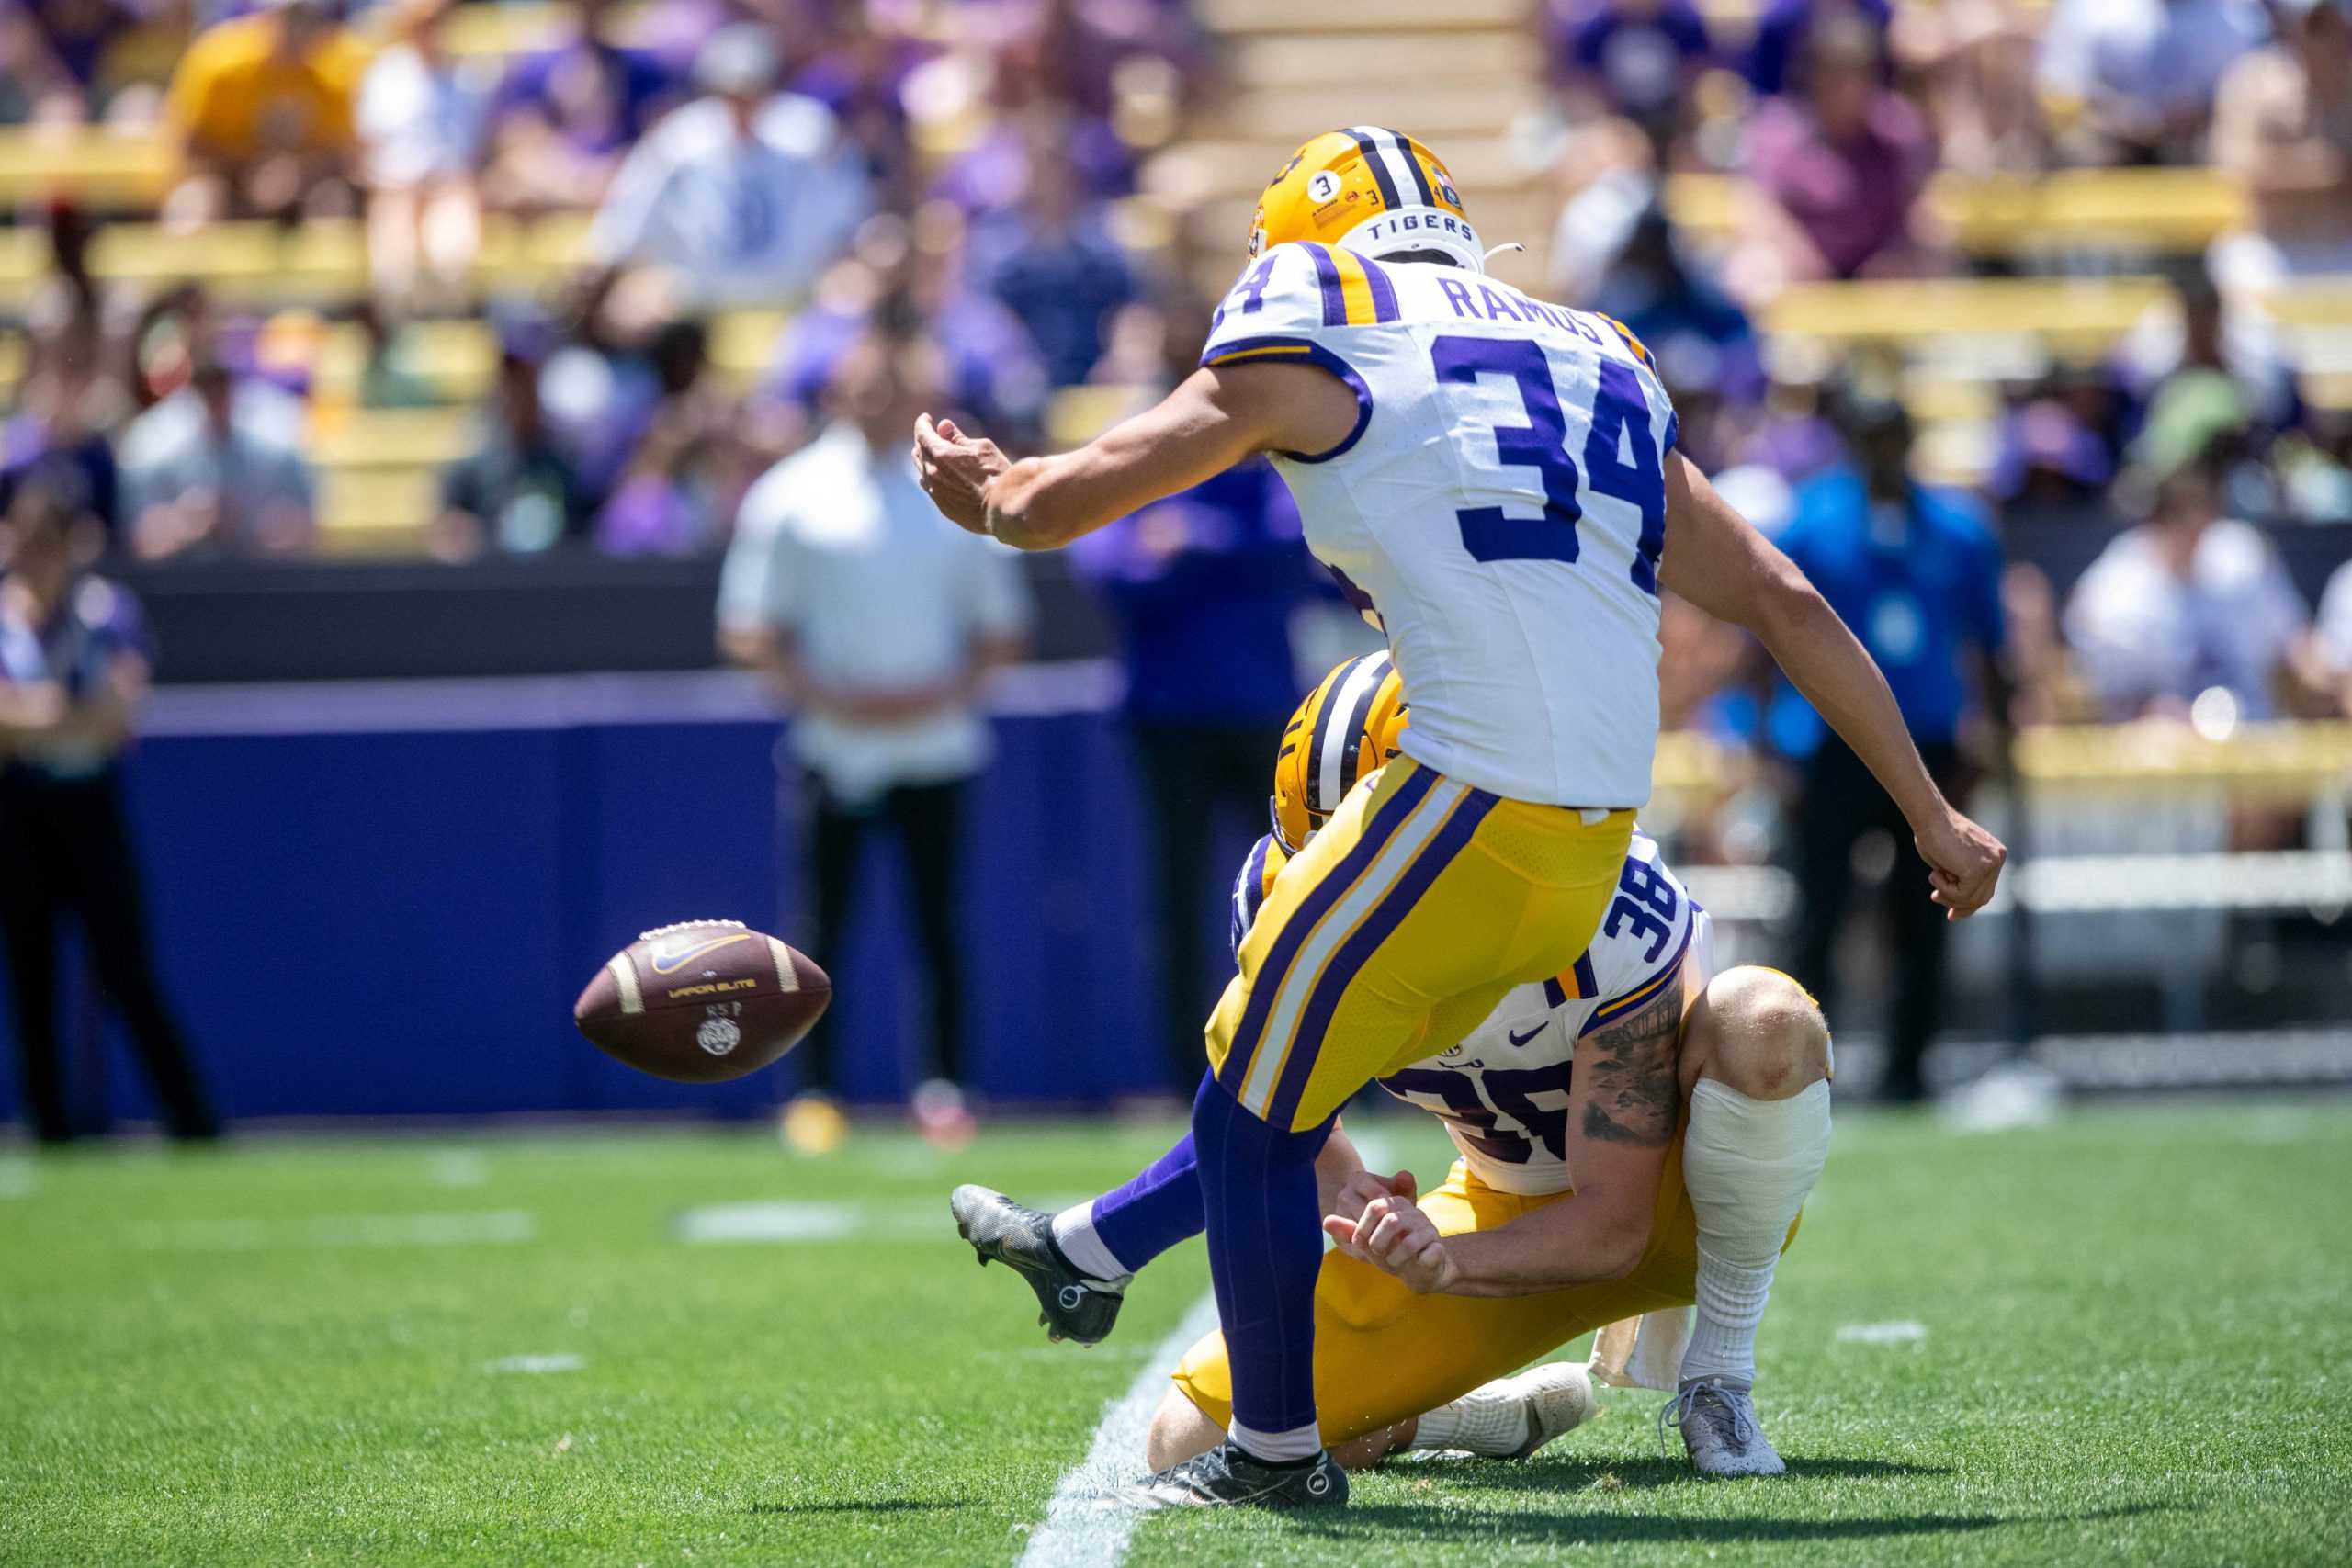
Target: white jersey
1502,1091
1499,508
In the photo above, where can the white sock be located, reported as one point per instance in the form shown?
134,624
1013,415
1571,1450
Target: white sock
1747,1165
1074,1234
1488,1425
1279,1447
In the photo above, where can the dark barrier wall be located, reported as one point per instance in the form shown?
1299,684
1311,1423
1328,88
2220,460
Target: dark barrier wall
397,923
358,620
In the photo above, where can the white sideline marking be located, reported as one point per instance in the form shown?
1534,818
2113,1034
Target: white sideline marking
1081,1529
461,1228
1903,1332
17,1180
557,1361
458,1168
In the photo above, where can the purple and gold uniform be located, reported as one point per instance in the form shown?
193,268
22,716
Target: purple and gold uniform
1382,1352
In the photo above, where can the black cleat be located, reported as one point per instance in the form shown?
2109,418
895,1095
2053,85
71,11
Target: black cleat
1076,1306
1224,1477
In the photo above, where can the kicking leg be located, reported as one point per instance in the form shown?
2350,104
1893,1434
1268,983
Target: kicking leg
1756,1068
1079,1261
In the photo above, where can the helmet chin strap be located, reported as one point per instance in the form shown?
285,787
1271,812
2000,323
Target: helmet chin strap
1499,250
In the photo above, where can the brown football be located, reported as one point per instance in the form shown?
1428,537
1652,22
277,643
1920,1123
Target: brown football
702,1001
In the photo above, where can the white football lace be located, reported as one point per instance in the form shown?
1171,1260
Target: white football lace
689,926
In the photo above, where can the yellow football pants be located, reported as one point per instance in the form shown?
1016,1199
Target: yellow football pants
1405,920
1383,1353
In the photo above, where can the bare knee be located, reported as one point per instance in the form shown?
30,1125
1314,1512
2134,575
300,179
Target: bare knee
1178,1432
1756,1031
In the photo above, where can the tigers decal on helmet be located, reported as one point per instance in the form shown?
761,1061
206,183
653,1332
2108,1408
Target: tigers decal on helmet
1346,727
1372,189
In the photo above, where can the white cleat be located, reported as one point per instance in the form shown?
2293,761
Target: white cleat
1513,1417
1720,1429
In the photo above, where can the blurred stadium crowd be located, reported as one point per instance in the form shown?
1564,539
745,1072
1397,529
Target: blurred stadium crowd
609,254
2027,327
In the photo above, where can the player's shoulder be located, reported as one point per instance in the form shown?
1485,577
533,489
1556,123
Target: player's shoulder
1300,290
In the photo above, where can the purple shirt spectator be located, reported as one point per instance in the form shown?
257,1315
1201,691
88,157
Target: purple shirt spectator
1851,195
655,516
598,96
2043,451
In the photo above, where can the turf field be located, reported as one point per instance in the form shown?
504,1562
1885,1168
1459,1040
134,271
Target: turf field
2121,1338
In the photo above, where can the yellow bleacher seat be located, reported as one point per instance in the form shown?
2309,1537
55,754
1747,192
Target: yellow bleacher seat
2071,313
392,438
371,511
96,166
2162,209
1244,16
2275,760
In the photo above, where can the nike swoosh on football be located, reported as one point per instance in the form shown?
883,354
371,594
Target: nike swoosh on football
669,963
1524,1039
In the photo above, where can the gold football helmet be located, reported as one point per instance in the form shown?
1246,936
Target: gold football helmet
1379,192
1347,726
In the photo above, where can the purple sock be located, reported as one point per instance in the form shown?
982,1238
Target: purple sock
1265,1239
1153,1212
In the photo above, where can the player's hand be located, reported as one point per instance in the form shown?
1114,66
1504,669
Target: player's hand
1393,1234
955,469
1963,863
1358,1191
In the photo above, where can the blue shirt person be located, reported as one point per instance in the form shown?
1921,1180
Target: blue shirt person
1916,577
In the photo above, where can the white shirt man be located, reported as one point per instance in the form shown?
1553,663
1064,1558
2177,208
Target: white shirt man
837,549
880,619
2163,614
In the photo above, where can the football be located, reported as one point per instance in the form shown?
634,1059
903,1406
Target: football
702,1001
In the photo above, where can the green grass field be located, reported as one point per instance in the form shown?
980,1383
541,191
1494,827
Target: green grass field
2132,1330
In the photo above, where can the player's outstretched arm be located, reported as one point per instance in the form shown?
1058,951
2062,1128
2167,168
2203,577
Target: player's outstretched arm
1214,420
1718,562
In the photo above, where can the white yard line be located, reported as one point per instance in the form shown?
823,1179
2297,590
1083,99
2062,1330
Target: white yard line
1903,1332
1081,1529
552,1361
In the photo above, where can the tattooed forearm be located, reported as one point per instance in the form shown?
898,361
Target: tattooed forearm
1632,1092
